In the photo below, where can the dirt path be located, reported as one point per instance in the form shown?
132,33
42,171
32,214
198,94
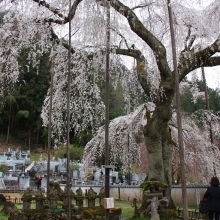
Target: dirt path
12,195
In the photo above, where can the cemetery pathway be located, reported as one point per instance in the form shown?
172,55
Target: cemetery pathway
13,195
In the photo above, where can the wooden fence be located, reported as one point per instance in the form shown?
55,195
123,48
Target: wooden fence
14,199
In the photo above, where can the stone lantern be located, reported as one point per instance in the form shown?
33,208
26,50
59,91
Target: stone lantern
53,198
39,198
91,197
26,198
79,197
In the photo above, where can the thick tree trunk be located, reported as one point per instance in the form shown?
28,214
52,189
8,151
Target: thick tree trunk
167,162
159,144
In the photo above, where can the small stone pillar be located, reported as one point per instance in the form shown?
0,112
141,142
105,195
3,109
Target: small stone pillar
79,197
101,196
91,202
26,198
154,208
65,196
79,202
91,197
53,198
39,198
153,198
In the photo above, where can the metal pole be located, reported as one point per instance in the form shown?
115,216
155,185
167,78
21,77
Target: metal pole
208,108
180,139
49,125
107,107
68,186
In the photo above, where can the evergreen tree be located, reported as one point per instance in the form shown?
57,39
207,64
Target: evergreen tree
29,93
190,105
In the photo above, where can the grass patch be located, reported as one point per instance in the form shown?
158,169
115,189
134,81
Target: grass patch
36,156
75,152
127,209
3,216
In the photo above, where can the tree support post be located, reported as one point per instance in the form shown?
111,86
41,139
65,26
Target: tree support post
179,122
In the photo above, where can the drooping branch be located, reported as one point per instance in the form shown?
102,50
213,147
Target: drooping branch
123,38
203,58
55,11
57,41
132,53
187,37
190,39
138,28
46,5
141,67
143,5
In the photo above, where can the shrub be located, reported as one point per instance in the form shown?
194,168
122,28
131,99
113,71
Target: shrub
75,152
167,213
4,168
74,166
90,176
148,185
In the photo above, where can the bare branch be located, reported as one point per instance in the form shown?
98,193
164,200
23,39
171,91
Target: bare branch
138,28
123,38
57,40
202,58
142,5
132,53
56,12
72,11
141,67
46,5
189,39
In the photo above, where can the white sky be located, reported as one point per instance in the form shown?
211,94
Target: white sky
213,77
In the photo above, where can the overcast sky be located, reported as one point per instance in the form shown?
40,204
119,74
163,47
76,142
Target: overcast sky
213,77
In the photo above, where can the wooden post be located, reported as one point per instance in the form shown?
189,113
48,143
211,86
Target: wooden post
49,124
208,108
107,107
68,184
179,122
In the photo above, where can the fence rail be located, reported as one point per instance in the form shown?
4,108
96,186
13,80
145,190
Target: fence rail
15,199
16,189
194,214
